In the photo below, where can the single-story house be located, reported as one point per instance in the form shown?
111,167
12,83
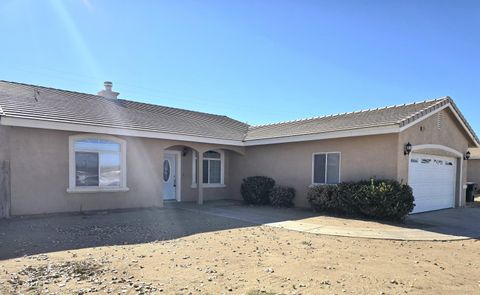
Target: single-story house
64,151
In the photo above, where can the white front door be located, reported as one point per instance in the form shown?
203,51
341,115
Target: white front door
433,181
169,177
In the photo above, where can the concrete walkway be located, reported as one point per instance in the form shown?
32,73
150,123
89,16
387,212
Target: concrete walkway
444,225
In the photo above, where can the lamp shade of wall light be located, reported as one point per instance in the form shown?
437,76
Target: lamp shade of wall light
407,149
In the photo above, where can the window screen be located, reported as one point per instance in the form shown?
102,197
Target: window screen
215,171
319,168
326,168
212,170
333,168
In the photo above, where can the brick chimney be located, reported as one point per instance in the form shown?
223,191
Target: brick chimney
107,92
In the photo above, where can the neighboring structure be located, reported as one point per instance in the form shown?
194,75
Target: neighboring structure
70,151
474,167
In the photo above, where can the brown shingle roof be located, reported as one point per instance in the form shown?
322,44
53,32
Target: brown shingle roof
36,102
400,116
43,103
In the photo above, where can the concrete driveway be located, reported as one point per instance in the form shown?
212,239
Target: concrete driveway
443,225
458,222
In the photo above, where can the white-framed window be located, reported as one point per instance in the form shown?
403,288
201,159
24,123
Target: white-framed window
97,163
326,168
213,169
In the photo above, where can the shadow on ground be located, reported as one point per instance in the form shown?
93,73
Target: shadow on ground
21,236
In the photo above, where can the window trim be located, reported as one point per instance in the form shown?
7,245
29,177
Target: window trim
326,165
222,170
194,169
72,188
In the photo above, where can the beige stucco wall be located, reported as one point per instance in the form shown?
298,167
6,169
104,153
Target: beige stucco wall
40,174
39,165
451,135
290,164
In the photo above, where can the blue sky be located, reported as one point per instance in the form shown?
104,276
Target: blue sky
256,61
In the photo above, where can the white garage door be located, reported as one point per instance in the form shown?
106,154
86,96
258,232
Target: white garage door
433,180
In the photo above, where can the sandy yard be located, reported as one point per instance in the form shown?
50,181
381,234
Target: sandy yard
222,256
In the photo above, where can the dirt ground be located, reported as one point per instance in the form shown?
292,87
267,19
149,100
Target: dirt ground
221,256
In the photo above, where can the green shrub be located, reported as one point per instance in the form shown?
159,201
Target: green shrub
384,199
256,189
324,198
282,196
379,199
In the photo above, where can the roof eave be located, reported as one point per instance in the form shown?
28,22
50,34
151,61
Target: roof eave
377,130
111,130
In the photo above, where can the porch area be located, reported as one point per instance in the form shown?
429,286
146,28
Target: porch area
197,172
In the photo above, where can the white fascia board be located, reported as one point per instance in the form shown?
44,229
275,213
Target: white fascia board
448,105
327,135
464,126
55,125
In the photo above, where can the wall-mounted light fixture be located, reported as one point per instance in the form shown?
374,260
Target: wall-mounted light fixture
467,155
407,149
184,151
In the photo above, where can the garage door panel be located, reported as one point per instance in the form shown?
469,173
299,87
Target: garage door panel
433,180
429,206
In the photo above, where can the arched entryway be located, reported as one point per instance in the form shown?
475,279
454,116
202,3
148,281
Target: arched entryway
195,172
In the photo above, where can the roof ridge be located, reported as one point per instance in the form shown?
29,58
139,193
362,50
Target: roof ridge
51,88
346,113
119,99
